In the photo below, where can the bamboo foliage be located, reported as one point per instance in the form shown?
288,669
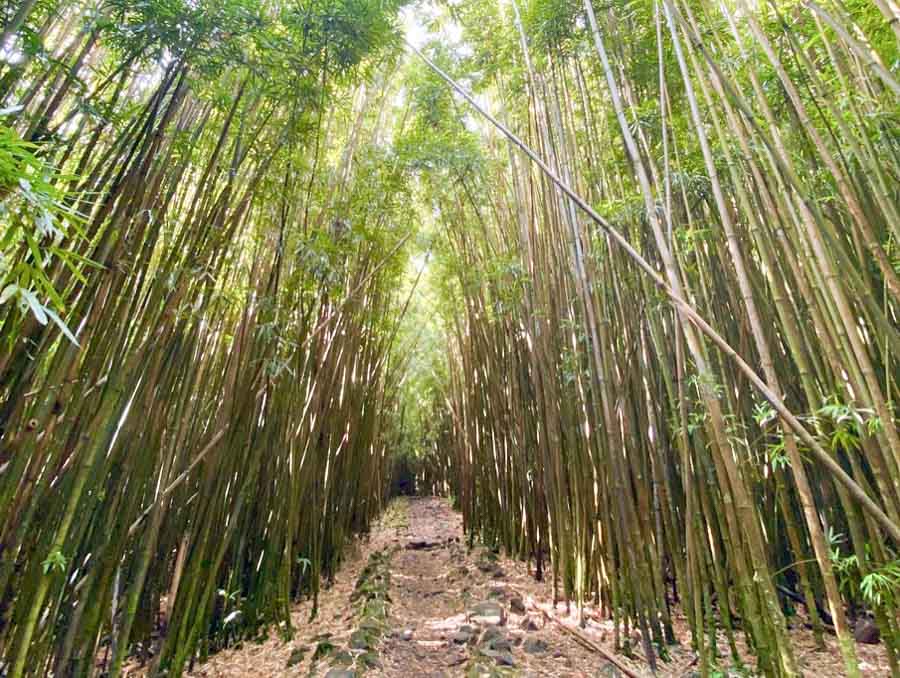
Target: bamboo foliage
187,447
745,152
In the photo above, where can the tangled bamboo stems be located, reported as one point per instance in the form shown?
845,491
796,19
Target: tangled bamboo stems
590,426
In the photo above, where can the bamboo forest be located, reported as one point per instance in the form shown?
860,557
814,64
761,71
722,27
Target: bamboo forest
449,338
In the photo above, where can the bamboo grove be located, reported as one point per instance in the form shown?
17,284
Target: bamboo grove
201,244
748,153
650,341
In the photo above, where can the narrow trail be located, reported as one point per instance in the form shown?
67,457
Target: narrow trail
428,590
412,600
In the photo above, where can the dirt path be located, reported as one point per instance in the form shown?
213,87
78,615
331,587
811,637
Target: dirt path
458,612
450,613
428,600
412,600
465,613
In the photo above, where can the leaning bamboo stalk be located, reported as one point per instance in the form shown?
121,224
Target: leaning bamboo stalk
688,310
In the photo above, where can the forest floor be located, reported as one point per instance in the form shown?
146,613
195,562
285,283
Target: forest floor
412,600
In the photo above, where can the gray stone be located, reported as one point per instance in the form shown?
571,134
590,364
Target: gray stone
360,640
297,655
501,644
491,633
340,673
502,658
867,632
493,640
488,612
342,658
535,646
488,607
517,605
407,634
460,637
369,660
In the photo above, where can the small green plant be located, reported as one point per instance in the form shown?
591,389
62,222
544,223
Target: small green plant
764,414
230,597
776,454
55,561
844,424
846,568
879,587
695,421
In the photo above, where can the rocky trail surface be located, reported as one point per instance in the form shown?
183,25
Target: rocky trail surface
412,600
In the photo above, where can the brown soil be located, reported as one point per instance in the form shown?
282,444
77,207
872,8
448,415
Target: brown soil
437,585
